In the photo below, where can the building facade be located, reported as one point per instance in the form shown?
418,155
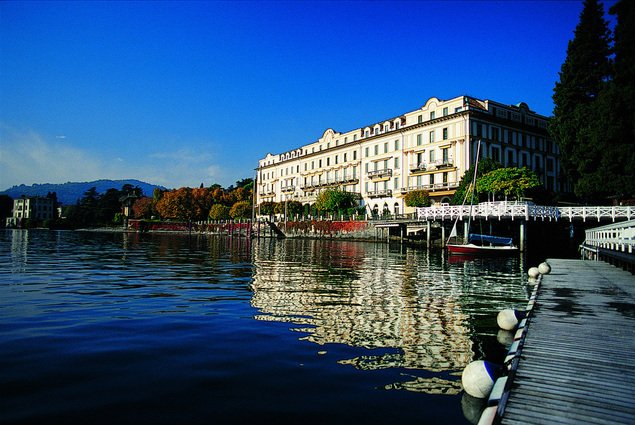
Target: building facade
429,148
37,208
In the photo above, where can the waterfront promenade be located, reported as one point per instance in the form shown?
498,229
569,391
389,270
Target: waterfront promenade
576,363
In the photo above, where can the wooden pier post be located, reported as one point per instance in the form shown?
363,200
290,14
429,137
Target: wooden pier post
428,234
466,231
521,244
442,235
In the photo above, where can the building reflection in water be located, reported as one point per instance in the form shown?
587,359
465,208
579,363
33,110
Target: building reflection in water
365,295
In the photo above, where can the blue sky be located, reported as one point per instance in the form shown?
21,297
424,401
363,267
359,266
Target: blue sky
180,94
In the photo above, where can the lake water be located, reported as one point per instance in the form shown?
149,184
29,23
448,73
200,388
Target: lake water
120,328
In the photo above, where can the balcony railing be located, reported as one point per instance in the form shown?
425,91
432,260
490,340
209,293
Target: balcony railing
288,189
417,167
442,163
432,187
377,174
384,193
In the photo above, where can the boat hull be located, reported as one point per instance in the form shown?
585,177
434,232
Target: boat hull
471,249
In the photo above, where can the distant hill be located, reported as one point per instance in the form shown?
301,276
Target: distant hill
69,193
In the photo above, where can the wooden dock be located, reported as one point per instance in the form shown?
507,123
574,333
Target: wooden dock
577,360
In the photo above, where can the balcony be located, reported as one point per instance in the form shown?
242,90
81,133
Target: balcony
379,174
436,187
418,167
443,163
384,193
288,189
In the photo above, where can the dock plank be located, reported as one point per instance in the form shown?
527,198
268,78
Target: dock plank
577,364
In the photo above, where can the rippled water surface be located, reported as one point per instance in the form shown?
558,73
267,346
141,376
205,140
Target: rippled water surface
127,328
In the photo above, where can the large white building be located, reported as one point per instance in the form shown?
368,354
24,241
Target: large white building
34,208
429,148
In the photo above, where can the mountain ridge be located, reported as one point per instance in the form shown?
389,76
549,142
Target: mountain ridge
70,192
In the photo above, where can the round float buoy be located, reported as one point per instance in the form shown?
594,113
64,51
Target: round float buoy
533,272
532,280
544,268
478,378
504,337
509,318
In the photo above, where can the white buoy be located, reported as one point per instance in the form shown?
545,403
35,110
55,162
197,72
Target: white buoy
544,268
533,272
478,378
505,338
509,318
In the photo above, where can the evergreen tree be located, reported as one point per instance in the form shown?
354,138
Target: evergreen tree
583,76
619,102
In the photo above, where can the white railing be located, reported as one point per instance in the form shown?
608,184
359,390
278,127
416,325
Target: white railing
616,237
524,210
597,212
489,210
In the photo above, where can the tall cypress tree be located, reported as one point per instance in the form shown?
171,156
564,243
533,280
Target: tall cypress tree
619,103
582,77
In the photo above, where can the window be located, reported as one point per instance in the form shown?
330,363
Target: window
354,155
495,134
396,145
445,153
320,163
457,110
397,125
432,136
445,133
345,139
305,165
366,133
432,115
345,155
386,147
510,159
431,179
418,139
445,178
420,119
336,159
386,128
432,156
496,154
354,137
445,111
396,183
376,149
367,167
367,152
312,165
396,163
328,161
328,145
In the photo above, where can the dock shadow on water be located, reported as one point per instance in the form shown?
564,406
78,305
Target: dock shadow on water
128,328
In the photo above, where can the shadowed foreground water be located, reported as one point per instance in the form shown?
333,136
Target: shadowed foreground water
128,328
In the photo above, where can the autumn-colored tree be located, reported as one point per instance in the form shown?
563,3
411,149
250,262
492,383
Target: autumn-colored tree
219,212
143,207
202,201
176,204
241,209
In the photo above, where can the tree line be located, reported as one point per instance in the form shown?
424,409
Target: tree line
198,204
